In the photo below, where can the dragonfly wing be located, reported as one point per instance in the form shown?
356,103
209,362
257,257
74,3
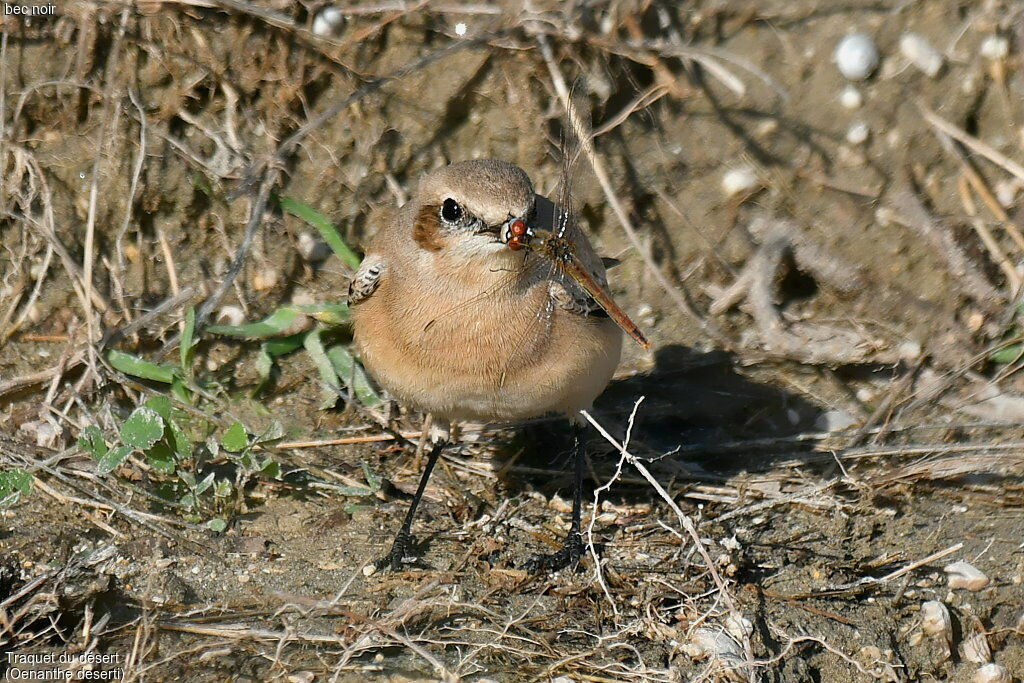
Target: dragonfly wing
571,298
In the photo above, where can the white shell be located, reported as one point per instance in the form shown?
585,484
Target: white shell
976,649
739,180
1006,192
834,421
992,673
328,21
851,97
230,315
994,47
921,54
935,620
965,575
856,56
712,642
738,626
909,350
264,279
858,133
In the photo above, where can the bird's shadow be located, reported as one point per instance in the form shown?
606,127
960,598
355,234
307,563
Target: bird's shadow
699,419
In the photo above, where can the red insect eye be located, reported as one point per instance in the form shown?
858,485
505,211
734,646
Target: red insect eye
514,244
518,228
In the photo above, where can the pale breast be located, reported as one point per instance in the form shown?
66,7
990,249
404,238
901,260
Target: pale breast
491,348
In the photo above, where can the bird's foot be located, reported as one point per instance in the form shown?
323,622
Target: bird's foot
568,556
403,553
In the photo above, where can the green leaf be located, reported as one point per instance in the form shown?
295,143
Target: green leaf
143,428
271,468
371,478
188,342
315,347
179,440
14,484
324,227
206,483
351,373
1007,355
274,432
235,439
284,321
161,405
222,488
113,459
91,440
271,349
135,366
282,345
200,182
161,458
180,389
329,313
217,525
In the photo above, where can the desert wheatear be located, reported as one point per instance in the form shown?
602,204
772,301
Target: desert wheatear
454,321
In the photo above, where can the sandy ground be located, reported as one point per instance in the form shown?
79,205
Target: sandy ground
830,280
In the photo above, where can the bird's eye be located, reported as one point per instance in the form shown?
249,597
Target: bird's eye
451,212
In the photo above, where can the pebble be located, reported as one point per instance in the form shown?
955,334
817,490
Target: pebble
834,421
976,649
965,575
739,180
1006,192
992,673
935,619
937,624
264,279
994,47
230,315
858,133
909,350
851,98
856,56
921,54
711,642
328,22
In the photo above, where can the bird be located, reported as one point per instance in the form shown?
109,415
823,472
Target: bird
453,320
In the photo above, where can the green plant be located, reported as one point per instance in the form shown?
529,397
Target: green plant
14,484
153,432
178,377
309,327
320,329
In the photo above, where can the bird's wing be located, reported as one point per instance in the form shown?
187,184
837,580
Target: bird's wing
366,279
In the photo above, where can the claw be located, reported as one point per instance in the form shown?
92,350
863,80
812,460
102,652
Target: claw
569,556
401,551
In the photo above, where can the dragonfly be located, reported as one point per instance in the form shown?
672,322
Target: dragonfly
556,245
561,252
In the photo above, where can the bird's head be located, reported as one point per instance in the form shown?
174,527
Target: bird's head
469,208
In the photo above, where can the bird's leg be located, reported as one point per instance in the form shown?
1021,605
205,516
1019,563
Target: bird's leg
403,545
572,550
425,435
